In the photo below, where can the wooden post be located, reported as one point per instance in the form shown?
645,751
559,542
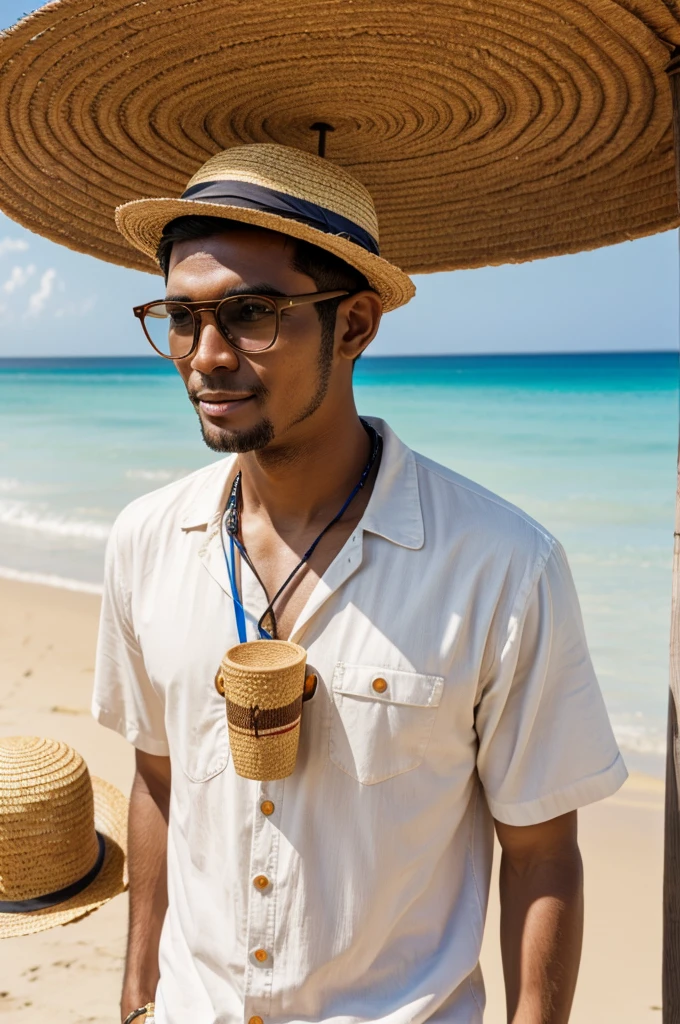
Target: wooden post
671,874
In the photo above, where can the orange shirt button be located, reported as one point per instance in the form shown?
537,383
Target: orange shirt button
261,955
379,685
256,1020
261,882
267,807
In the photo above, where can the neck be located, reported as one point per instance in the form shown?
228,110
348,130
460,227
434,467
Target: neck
297,483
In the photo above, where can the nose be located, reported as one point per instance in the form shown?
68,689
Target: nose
213,350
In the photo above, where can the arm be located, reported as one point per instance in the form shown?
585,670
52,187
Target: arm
147,846
541,886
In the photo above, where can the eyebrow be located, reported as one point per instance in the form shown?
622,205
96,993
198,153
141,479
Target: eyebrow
242,289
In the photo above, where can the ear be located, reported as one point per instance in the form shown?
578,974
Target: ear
357,323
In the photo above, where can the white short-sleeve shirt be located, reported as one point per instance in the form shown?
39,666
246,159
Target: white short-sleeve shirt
378,850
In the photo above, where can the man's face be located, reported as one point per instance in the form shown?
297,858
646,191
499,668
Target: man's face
245,402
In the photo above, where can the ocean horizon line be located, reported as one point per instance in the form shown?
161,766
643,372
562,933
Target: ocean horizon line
154,360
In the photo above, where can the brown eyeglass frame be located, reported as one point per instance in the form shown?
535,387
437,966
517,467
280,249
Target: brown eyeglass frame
279,302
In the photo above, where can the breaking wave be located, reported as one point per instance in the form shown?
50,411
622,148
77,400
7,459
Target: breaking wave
19,514
159,475
46,580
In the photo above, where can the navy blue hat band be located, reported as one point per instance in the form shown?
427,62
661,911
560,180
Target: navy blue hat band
268,200
52,899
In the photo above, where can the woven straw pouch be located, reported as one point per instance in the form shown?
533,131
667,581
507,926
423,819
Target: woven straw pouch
263,683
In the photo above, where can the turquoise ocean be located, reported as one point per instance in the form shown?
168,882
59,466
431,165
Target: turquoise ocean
584,443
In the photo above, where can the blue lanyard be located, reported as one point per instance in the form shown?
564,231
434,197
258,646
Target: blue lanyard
230,524
239,610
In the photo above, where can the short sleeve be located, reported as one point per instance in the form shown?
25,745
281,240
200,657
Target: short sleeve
546,746
124,699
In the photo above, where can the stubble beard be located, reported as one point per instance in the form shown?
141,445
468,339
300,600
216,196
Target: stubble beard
324,367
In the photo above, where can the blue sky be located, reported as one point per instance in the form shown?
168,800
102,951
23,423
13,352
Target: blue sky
624,297
57,302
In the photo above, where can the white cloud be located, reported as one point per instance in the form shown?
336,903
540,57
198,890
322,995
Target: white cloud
18,277
40,297
70,309
12,245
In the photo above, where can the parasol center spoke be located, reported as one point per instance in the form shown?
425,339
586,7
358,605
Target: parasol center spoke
322,127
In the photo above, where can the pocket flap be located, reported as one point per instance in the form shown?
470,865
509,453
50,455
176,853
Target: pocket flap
389,685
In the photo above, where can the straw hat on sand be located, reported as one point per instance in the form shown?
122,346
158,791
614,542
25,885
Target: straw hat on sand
62,836
486,132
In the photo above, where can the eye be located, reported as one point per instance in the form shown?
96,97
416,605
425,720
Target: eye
180,317
252,311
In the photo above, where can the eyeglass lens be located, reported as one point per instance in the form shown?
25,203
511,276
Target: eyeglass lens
248,322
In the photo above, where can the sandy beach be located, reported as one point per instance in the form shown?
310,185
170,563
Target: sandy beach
73,974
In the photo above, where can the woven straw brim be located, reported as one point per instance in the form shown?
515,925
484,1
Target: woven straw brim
143,220
110,810
486,132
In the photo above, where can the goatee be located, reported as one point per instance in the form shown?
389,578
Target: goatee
238,442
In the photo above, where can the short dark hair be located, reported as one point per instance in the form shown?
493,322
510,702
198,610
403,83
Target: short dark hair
328,272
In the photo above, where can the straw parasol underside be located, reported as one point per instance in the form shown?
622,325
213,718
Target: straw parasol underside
485,132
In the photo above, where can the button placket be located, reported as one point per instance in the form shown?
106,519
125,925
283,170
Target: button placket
261,929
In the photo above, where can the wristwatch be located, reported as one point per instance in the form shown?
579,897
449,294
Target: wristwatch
143,1015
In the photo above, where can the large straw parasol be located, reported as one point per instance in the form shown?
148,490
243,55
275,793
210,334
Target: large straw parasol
487,131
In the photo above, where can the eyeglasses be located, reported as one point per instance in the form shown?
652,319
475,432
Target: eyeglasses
249,323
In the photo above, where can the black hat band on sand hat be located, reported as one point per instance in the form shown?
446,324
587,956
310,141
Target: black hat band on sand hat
53,899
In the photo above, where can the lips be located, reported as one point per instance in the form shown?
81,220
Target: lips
221,404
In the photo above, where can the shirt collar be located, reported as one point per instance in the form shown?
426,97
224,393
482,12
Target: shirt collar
393,511
209,499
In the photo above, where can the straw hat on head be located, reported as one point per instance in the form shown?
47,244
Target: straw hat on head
486,132
285,190
63,836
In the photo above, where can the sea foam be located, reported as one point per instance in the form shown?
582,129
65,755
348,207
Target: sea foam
160,475
23,516
46,580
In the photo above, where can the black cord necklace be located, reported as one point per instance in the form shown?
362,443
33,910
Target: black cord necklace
232,526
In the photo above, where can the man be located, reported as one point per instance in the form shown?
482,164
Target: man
455,691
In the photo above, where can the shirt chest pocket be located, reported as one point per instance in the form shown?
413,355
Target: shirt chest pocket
381,720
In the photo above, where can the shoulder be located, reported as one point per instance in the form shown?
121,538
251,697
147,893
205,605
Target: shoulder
183,502
463,494
461,510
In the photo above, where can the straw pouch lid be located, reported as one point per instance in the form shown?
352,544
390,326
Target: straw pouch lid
486,132
62,836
